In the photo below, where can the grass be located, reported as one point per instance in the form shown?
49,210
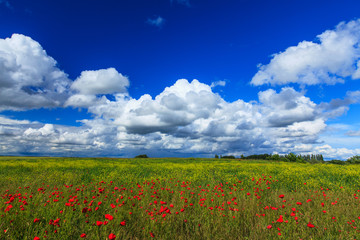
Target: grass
220,198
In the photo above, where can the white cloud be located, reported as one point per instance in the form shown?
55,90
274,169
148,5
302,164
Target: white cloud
186,118
92,85
157,22
220,83
103,81
27,72
335,57
287,107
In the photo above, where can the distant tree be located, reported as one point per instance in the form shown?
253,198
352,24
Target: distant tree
335,161
216,156
258,156
293,158
228,157
354,160
275,157
142,156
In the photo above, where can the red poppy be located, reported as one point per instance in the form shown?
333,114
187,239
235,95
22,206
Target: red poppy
112,236
36,238
83,235
123,223
281,196
269,227
152,235
108,216
99,223
310,225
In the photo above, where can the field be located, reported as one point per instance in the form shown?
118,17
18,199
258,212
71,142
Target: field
93,198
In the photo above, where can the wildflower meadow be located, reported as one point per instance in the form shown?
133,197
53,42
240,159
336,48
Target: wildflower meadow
170,198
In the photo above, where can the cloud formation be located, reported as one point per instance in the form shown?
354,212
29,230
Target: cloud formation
27,72
186,118
333,59
104,81
91,84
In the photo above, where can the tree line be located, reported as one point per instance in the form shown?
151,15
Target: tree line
291,157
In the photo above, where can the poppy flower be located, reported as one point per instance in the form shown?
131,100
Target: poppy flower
152,235
281,196
310,225
109,217
112,236
123,223
83,235
269,227
36,238
99,223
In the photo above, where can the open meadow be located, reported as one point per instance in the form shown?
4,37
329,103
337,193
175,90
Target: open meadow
169,198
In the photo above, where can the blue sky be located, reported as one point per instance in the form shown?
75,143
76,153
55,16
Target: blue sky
115,78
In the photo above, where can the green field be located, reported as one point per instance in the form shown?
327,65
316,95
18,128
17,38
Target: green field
169,198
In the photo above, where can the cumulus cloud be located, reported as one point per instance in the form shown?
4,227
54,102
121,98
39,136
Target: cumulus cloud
104,81
157,22
91,84
27,72
176,106
186,118
30,79
287,107
334,58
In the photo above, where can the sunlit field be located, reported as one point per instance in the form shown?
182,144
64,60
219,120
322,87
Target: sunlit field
75,198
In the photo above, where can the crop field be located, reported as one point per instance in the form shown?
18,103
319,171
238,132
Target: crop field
169,198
